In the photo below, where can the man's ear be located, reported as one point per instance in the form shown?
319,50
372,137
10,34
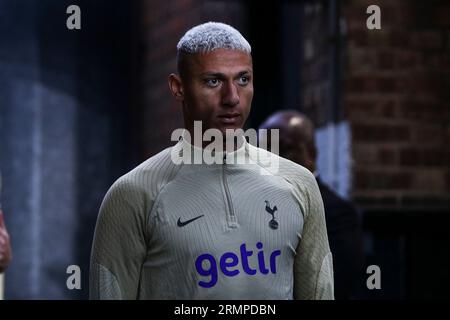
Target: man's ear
176,86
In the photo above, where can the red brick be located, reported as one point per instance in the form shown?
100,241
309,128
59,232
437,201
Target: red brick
442,15
356,14
365,155
423,109
354,84
426,81
406,15
410,157
444,89
423,157
387,156
386,60
387,108
429,134
447,42
173,28
401,180
447,156
363,60
434,157
157,12
371,83
448,181
436,200
379,38
360,179
399,37
428,180
417,44
360,109
164,50
387,84
435,61
380,133
406,58
426,39
358,37
375,200
379,180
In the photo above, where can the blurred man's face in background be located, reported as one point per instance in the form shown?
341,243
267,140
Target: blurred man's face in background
296,151
296,138
217,89
290,147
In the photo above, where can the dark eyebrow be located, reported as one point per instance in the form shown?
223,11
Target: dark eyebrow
220,75
243,73
213,75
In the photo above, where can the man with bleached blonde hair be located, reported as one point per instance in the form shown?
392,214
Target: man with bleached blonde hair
217,230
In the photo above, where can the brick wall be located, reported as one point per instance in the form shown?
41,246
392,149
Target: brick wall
395,88
396,97
161,25
315,67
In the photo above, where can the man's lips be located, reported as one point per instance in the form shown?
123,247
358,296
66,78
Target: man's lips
229,118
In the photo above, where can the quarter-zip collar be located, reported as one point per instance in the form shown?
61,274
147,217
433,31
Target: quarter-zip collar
206,155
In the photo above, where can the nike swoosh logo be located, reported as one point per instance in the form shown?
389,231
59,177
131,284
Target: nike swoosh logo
182,224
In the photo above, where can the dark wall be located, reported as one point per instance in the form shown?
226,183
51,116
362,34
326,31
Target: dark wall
65,134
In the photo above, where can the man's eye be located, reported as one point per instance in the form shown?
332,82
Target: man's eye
212,82
244,80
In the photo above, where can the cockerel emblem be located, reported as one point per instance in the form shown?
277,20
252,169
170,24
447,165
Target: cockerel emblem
273,224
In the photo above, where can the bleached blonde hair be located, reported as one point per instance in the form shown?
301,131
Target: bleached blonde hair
208,37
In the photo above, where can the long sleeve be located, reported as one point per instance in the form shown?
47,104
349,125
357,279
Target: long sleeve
119,245
313,266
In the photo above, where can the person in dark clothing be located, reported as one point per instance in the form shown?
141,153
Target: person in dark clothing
297,143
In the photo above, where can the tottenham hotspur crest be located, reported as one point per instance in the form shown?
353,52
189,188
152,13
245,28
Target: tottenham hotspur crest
273,224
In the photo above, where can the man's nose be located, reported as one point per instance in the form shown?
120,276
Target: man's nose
230,95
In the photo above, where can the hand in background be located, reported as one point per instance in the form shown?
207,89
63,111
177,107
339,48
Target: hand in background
5,245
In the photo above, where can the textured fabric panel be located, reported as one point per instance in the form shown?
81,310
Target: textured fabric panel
313,247
107,287
325,290
120,238
261,236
